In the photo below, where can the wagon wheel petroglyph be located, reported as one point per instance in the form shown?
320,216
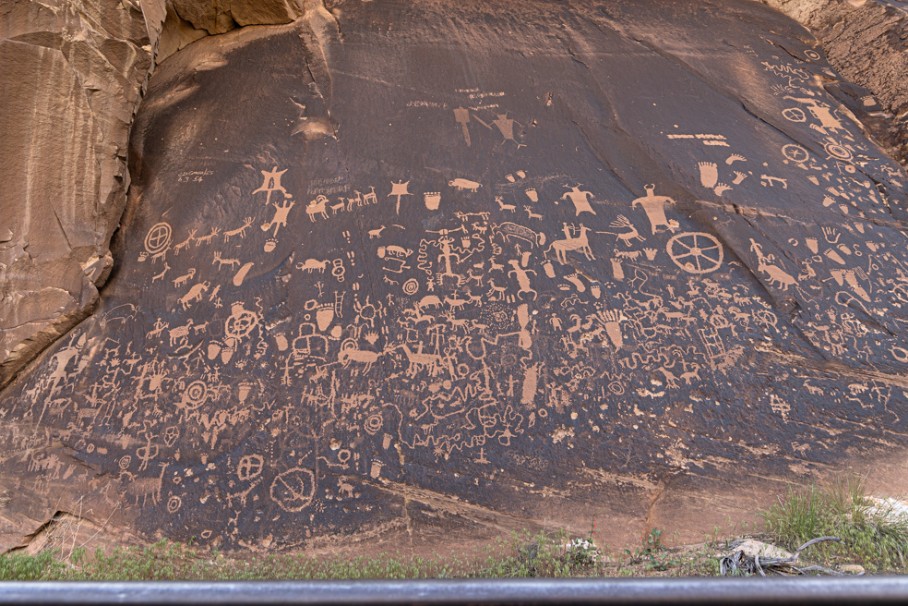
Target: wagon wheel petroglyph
695,252
292,490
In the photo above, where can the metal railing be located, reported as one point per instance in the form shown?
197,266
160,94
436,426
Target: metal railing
801,591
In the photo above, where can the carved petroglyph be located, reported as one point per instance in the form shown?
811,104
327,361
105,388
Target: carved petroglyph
654,207
580,199
503,303
695,252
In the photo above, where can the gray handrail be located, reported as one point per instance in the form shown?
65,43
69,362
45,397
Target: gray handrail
815,590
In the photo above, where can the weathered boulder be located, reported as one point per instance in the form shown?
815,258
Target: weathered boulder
440,270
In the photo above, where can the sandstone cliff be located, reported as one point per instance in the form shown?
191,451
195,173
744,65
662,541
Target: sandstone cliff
393,271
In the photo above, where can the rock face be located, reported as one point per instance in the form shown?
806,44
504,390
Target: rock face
396,271
867,42
189,20
72,76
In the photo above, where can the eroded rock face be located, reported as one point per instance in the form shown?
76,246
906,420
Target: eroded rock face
867,42
451,269
72,75
190,20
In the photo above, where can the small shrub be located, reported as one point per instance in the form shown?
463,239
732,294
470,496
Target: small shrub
869,536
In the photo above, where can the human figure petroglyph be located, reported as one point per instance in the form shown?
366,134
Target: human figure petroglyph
158,328
505,127
829,123
522,276
271,182
155,375
447,258
398,191
580,199
281,212
654,207
571,242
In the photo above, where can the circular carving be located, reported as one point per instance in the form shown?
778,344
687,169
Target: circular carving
837,151
373,424
158,238
794,114
411,287
250,467
174,503
241,323
695,252
194,395
795,153
293,490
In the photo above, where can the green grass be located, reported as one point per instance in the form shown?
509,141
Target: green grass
868,538
521,555
841,509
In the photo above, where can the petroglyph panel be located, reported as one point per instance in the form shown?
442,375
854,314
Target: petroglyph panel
623,259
